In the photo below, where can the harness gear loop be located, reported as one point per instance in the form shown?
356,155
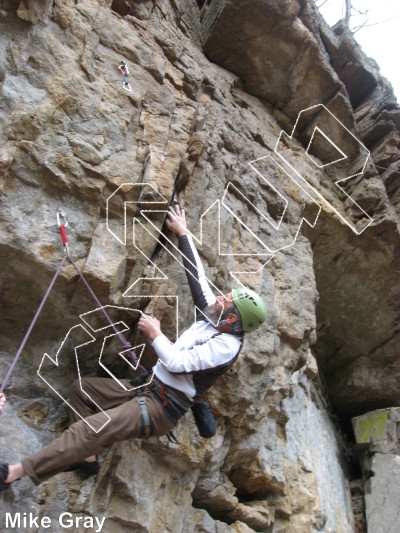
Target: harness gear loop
146,421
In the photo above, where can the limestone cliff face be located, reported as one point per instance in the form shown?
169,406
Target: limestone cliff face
210,94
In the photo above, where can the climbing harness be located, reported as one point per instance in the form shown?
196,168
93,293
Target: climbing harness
174,402
62,223
176,405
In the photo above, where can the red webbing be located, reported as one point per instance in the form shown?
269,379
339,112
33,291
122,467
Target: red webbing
63,233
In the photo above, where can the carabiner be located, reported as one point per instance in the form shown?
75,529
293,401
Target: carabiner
61,220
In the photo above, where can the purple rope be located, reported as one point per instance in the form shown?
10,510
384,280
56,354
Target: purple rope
32,324
124,342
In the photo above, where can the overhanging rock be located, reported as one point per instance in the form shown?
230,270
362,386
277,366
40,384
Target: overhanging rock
267,45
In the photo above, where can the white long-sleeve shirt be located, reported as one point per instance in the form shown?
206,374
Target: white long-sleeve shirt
202,353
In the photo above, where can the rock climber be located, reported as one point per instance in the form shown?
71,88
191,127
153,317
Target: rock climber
184,372
123,67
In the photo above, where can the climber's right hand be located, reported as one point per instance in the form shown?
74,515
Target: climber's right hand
176,220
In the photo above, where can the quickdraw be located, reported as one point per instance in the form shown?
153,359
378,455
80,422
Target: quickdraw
146,426
62,223
123,68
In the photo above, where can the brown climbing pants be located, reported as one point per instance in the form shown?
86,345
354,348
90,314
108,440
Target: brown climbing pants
120,420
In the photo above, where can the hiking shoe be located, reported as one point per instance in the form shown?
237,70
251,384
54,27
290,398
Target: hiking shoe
3,477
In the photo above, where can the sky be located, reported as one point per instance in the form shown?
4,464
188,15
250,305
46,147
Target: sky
379,38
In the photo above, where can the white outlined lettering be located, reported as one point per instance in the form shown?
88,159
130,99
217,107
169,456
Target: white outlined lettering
336,156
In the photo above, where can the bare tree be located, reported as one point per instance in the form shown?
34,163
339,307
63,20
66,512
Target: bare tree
351,11
320,4
347,14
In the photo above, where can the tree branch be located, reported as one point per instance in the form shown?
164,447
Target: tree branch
347,15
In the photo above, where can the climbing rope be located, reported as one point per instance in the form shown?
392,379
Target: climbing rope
62,223
32,324
124,342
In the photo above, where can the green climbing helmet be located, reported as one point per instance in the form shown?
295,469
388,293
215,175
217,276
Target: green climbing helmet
251,307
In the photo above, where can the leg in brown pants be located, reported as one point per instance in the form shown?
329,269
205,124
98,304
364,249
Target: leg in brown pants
81,440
